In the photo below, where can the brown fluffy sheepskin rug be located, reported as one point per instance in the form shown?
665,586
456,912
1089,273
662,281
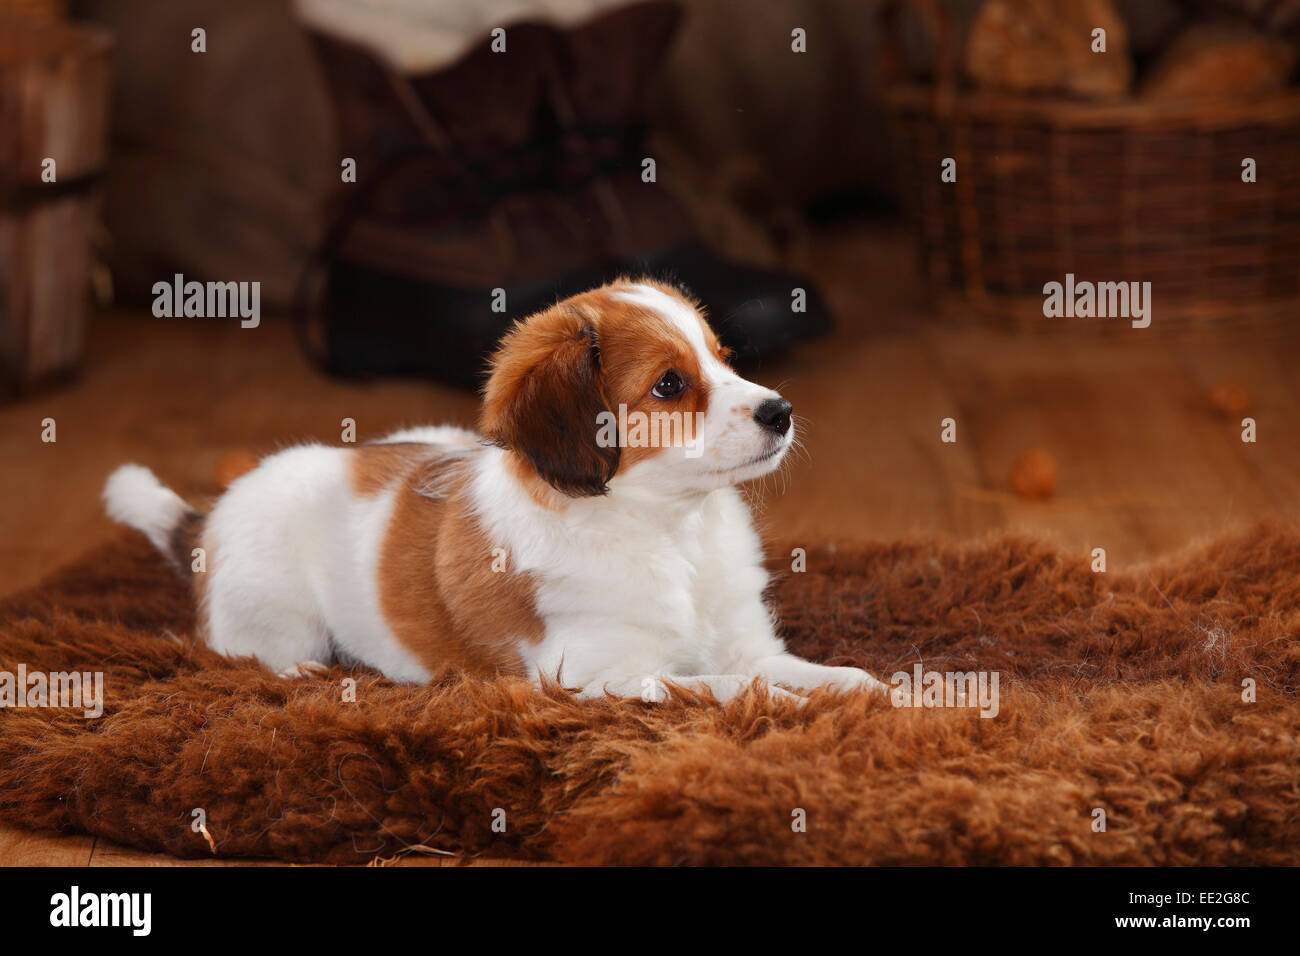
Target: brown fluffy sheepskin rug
1119,692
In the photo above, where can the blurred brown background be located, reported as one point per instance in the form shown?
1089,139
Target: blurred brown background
219,172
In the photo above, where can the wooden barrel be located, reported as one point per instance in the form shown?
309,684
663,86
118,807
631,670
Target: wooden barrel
54,102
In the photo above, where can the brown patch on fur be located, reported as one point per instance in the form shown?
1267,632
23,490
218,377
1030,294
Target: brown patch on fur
437,587
544,398
720,351
637,347
373,468
1119,690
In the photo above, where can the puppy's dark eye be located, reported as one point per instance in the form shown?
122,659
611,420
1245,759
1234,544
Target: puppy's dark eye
670,385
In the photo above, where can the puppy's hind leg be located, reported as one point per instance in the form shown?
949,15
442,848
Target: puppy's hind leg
652,688
283,636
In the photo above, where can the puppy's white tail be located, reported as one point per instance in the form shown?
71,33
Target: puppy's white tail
135,497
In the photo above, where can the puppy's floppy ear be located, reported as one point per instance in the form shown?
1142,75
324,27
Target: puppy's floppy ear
544,401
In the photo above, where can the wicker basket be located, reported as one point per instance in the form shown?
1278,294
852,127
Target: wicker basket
1133,191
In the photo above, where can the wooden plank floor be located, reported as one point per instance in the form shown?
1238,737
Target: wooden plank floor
1147,465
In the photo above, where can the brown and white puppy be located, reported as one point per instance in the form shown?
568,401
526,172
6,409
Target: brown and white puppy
592,533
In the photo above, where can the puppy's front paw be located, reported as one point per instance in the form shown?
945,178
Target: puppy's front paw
853,678
780,693
305,669
791,671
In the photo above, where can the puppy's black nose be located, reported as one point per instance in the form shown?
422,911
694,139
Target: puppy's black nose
774,413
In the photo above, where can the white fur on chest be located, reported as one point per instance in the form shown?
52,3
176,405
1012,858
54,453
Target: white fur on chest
625,584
